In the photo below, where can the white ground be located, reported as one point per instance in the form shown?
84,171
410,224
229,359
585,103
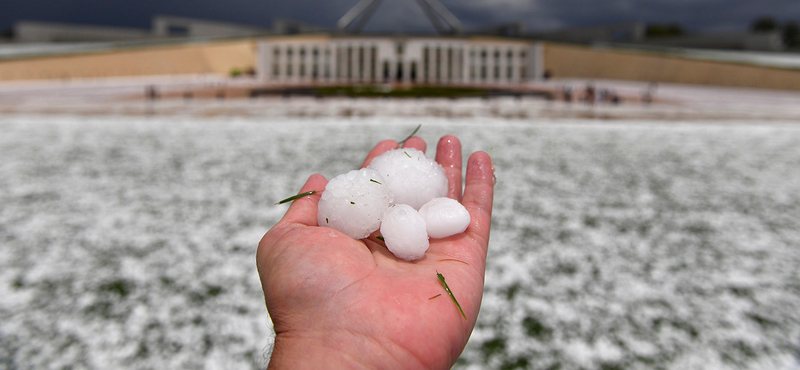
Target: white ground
128,241
125,96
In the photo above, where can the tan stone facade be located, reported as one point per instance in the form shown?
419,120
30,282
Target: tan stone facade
563,61
324,58
203,58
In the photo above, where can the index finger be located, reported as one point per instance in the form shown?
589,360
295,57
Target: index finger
380,148
304,210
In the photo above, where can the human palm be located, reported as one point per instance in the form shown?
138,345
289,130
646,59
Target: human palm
340,302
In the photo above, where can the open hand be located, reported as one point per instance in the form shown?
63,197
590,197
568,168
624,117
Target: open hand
337,302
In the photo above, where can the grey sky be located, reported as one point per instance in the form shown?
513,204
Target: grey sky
405,15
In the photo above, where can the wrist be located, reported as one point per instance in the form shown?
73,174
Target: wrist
341,350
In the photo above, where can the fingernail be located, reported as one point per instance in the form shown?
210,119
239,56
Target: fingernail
494,169
448,151
484,167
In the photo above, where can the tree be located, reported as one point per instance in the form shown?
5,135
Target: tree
660,30
764,24
791,33
8,33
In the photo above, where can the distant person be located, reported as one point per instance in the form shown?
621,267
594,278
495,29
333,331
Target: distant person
151,92
340,303
602,96
615,98
649,93
589,94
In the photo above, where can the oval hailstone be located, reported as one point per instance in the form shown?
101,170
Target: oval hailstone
404,232
413,178
353,203
444,217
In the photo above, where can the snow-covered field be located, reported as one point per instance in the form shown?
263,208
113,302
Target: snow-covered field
129,241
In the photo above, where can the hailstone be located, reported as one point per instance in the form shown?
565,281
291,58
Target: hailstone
353,203
404,232
444,217
413,178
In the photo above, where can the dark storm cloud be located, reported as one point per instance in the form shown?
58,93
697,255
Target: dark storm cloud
405,15
693,14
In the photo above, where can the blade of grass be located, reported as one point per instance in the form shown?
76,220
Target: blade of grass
298,196
410,136
447,289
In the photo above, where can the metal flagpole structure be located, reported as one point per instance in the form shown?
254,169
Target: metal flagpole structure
438,15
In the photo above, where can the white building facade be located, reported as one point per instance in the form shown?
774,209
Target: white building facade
326,59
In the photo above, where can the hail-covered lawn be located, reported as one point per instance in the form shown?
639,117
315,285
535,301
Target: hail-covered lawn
129,242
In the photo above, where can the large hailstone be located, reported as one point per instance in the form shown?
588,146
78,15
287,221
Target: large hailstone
444,217
353,203
413,178
404,232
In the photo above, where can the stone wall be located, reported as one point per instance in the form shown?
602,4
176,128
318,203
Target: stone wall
563,61
200,58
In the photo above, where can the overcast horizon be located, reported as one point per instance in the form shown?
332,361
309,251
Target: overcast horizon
406,16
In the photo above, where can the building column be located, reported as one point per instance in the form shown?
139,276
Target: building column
325,58
358,59
313,61
458,64
513,65
441,56
438,61
431,77
467,65
353,55
308,62
368,63
342,63
407,63
392,59
335,63
502,65
282,63
342,76
362,61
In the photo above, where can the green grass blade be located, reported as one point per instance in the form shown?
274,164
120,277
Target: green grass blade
410,136
298,196
447,289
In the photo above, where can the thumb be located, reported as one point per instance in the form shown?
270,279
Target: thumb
304,210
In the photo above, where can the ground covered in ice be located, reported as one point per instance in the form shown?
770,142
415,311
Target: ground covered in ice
129,241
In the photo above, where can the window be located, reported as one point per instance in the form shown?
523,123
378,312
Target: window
449,64
302,64
510,64
289,61
425,64
438,63
174,30
276,65
484,67
373,60
472,64
496,68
